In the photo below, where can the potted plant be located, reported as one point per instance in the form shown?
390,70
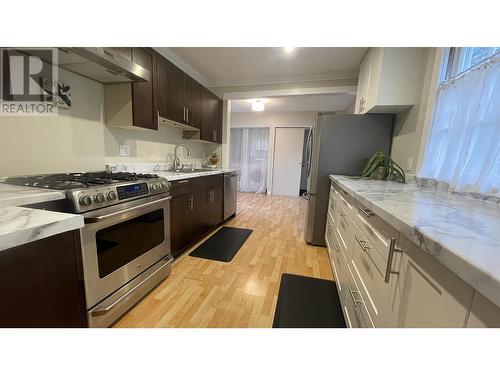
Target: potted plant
382,167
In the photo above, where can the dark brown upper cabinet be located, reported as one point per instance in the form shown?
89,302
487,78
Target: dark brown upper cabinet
133,105
171,96
211,130
179,95
170,90
192,101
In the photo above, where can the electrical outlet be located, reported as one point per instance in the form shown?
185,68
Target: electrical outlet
124,150
409,164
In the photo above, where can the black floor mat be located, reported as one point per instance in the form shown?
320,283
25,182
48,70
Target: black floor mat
223,245
306,302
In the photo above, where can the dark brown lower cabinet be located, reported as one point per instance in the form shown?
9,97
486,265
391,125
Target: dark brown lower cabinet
41,284
196,208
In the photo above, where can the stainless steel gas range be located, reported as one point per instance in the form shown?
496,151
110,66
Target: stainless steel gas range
126,237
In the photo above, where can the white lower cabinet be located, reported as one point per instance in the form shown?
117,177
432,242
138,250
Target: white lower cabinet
483,313
369,270
430,294
385,280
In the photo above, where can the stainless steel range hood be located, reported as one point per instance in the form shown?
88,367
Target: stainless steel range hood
102,64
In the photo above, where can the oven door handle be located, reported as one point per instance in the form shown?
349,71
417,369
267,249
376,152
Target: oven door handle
102,310
97,219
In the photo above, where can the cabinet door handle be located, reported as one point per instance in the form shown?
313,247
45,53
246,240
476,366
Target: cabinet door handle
187,115
184,114
366,211
388,269
362,244
354,299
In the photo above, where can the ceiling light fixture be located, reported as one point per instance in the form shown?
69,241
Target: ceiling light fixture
289,49
257,106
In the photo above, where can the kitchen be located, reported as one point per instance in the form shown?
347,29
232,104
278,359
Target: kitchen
249,187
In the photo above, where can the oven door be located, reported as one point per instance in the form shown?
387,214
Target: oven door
121,242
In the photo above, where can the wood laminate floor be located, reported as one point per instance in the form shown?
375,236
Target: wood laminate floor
242,293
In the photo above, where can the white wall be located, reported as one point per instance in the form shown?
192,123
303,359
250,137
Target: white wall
272,120
78,140
411,125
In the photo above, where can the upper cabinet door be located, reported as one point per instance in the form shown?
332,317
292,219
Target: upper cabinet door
144,111
389,79
206,116
192,102
217,126
211,129
171,91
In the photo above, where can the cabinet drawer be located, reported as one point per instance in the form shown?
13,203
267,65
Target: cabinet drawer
368,269
343,229
344,200
340,270
375,229
180,187
331,207
356,305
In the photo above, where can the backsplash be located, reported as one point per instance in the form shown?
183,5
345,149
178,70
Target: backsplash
78,140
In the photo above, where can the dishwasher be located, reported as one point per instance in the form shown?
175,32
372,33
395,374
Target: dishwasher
230,187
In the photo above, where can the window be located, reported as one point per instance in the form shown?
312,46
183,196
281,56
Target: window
249,154
462,59
463,149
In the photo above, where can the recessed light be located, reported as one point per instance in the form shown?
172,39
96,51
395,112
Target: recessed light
289,49
258,106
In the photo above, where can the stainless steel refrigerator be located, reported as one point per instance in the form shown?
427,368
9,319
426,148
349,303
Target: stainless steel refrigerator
339,144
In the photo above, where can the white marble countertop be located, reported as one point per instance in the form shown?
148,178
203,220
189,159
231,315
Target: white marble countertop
13,195
20,225
172,176
461,232
161,169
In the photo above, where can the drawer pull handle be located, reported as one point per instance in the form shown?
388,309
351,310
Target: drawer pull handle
366,211
362,244
354,299
388,270
181,182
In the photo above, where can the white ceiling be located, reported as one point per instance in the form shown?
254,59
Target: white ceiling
239,66
327,102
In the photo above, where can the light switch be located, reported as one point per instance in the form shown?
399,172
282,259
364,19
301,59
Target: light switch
124,150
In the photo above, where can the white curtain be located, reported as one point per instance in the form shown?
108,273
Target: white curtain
249,154
464,144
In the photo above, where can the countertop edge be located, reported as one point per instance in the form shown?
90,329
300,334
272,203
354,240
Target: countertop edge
56,224
476,277
180,176
31,195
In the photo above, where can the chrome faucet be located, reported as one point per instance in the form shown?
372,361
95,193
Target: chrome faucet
177,162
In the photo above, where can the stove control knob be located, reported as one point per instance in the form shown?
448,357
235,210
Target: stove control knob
85,200
154,186
99,198
163,185
111,196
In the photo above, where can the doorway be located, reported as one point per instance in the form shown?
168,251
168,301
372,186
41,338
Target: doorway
288,160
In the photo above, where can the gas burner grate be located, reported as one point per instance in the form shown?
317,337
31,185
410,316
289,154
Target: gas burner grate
67,181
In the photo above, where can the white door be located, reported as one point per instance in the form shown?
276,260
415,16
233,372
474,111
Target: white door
288,145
